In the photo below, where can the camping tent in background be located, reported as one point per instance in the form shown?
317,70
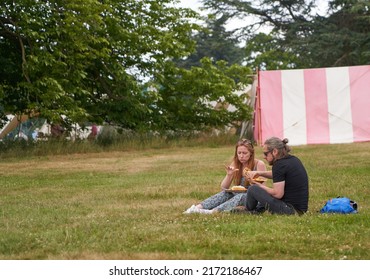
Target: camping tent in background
22,126
314,106
242,128
246,130
13,122
35,128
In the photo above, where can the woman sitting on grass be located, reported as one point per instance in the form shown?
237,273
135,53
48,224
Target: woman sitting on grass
226,201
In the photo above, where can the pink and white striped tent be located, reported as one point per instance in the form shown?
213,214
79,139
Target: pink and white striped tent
314,106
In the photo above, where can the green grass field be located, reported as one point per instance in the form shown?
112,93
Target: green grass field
129,204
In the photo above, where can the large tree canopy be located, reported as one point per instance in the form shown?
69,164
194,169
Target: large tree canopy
85,58
88,59
297,35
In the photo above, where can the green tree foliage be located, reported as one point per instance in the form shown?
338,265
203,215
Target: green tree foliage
188,96
262,52
342,38
298,37
89,60
215,42
75,57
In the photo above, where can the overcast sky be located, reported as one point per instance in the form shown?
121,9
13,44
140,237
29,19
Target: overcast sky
194,4
235,23
190,4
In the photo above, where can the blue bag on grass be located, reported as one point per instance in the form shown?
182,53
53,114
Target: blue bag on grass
341,205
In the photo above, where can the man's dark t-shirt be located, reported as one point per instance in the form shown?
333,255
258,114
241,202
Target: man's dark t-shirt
291,170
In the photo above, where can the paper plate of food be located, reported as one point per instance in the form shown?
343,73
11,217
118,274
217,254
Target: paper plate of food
237,189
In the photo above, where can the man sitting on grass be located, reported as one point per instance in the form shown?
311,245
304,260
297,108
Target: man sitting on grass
289,192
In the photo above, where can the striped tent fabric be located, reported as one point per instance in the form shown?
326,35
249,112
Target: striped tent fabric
314,106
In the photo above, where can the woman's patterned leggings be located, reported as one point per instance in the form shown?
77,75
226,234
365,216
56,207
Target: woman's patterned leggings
224,201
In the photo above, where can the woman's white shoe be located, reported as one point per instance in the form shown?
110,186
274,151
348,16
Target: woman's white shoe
194,209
